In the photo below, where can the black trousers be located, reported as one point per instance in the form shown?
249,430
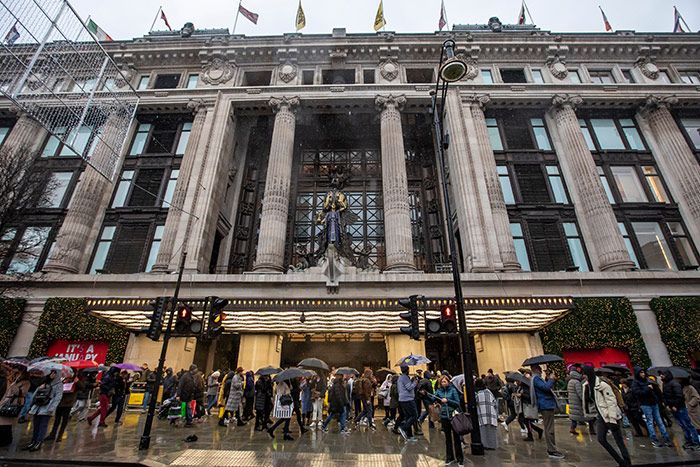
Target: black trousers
635,418
410,414
118,405
453,442
358,408
60,422
602,428
280,421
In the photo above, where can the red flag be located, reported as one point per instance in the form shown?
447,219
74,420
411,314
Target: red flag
252,17
162,16
521,15
443,16
605,20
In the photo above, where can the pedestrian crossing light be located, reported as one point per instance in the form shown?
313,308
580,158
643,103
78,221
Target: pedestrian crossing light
185,325
156,324
412,330
216,316
447,319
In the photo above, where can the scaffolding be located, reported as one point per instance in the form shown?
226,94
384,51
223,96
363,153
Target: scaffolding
57,72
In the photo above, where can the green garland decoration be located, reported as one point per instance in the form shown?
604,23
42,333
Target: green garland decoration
679,324
9,324
595,323
66,318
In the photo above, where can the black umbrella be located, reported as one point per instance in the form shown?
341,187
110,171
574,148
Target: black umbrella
604,371
268,370
346,370
542,359
618,368
314,363
676,371
291,373
515,376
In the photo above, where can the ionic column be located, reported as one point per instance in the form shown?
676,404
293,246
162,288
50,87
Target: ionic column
26,135
397,215
676,161
172,222
464,189
275,203
593,211
80,228
649,328
499,213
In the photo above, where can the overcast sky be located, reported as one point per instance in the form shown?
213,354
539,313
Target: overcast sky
126,19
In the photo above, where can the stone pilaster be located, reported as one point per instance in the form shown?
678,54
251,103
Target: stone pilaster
397,215
27,328
27,134
498,213
649,328
676,161
80,228
465,193
275,203
175,212
593,211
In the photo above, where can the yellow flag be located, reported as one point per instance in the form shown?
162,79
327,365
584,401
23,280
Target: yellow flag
301,17
379,21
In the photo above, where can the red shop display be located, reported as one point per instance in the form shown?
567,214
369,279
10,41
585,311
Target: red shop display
598,357
79,350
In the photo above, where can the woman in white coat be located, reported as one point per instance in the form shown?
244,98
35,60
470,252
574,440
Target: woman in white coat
283,410
608,416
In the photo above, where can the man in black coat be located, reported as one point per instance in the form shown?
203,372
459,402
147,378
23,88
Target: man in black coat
644,390
673,397
185,392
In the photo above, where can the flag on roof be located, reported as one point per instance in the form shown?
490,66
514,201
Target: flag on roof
443,16
677,20
379,21
12,35
252,17
98,32
165,20
605,20
301,17
521,15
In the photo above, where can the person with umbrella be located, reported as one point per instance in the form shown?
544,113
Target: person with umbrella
546,403
263,401
63,410
318,394
648,402
12,401
248,395
284,404
406,389
44,404
508,390
121,392
673,397
106,392
83,387
526,408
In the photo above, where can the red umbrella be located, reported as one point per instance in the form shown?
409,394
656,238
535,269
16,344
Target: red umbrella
82,364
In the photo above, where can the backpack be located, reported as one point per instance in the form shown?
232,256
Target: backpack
42,395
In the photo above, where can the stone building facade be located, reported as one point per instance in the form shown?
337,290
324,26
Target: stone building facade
573,166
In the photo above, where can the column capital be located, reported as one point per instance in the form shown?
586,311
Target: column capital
566,100
480,100
653,102
284,103
385,102
196,105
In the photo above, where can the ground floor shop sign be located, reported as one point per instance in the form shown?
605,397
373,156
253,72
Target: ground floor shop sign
79,350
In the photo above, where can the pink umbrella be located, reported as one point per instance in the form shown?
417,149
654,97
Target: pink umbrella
128,366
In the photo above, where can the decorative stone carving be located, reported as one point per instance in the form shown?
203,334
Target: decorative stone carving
566,100
194,105
557,67
217,71
280,103
479,99
472,67
389,69
653,102
288,72
647,67
383,102
128,73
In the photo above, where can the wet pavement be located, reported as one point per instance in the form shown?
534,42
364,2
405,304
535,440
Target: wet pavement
242,447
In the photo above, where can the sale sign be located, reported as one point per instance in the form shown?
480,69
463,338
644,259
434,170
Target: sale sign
79,350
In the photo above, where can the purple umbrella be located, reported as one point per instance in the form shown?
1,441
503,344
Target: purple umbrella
128,366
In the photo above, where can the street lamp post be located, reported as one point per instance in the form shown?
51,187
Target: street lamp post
453,69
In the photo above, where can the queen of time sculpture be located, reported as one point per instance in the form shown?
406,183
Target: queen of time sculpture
335,217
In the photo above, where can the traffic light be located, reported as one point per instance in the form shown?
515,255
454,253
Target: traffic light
411,303
156,324
216,316
184,324
447,319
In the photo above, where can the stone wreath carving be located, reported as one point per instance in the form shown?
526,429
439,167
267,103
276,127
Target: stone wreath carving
287,72
472,67
557,67
217,71
648,67
389,69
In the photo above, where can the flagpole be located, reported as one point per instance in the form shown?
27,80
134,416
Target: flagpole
528,12
160,8
238,12
81,31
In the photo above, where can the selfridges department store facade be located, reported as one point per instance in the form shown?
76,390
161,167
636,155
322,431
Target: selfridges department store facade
299,174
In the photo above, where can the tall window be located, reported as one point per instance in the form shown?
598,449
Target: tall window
692,129
683,244
4,131
140,137
102,250
58,186
606,184
516,229
514,131
29,251
628,184
155,247
494,134
184,138
653,245
628,243
161,136
557,184
506,185
54,146
573,239
123,188
654,184
540,132
613,134
170,188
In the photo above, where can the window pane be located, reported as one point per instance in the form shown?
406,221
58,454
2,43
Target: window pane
143,83
486,76
540,134
653,245
633,138
100,256
521,254
192,81
606,185
170,189
123,189
81,141
628,243
494,135
184,138
574,77
506,187
555,181
537,76
516,229
31,245
577,254
692,127
586,135
155,246
686,252
140,139
655,185
59,184
52,143
628,184
108,233
607,134
4,130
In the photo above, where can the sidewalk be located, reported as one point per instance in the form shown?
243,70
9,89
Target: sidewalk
243,447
